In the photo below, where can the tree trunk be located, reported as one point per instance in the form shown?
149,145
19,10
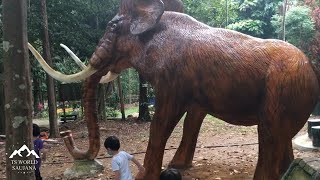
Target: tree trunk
144,114
101,102
123,116
129,92
284,19
227,14
2,117
50,84
18,104
41,98
36,88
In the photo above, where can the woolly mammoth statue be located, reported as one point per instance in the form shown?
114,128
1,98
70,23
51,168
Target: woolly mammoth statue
202,70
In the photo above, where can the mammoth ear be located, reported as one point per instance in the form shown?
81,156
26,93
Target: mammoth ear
146,14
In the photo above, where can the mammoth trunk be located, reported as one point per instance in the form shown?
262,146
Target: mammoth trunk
89,98
91,115
103,52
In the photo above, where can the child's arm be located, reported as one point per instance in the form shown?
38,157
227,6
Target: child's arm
140,167
117,175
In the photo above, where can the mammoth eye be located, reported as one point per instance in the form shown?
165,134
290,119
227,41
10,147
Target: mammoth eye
114,26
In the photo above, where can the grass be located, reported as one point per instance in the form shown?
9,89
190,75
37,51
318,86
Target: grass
128,111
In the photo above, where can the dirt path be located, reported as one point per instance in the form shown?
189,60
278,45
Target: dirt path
223,151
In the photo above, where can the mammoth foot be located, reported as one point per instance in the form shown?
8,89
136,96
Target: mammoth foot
180,164
181,161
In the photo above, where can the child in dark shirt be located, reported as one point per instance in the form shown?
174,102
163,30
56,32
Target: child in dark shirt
38,145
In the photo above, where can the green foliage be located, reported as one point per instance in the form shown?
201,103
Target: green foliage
79,24
111,112
255,17
248,4
129,83
212,12
113,100
299,26
248,26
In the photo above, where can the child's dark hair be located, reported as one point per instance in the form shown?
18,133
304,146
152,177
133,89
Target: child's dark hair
170,174
35,130
112,142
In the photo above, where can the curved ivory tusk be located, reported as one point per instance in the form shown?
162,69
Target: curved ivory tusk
105,79
74,57
88,71
109,77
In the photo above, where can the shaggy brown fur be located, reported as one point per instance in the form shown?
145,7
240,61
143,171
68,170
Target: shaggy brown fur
202,70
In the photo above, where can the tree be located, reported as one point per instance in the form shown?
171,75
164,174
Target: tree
212,12
283,20
101,102
54,132
314,46
300,28
123,115
254,17
18,105
144,114
2,116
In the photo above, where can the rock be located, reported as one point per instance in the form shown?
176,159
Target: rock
82,168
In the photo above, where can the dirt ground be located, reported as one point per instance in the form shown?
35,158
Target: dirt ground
223,151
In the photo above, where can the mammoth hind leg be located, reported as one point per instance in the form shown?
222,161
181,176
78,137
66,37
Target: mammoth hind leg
280,120
191,127
290,96
275,154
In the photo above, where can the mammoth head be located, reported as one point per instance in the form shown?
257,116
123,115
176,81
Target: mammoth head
133,18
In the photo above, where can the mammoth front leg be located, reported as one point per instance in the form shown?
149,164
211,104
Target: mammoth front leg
185,153
167,114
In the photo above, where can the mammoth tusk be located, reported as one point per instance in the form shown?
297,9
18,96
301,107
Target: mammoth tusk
105,79
74,57
109,77
88,71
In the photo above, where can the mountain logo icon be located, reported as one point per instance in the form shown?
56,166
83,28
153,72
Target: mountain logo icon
23,148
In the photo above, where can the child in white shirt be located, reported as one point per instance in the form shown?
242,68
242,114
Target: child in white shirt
120,160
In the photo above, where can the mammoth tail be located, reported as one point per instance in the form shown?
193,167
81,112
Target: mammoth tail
316,69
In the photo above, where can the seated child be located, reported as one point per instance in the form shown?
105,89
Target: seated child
120,160
170,174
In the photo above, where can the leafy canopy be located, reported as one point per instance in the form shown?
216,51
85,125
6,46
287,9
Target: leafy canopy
300,28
